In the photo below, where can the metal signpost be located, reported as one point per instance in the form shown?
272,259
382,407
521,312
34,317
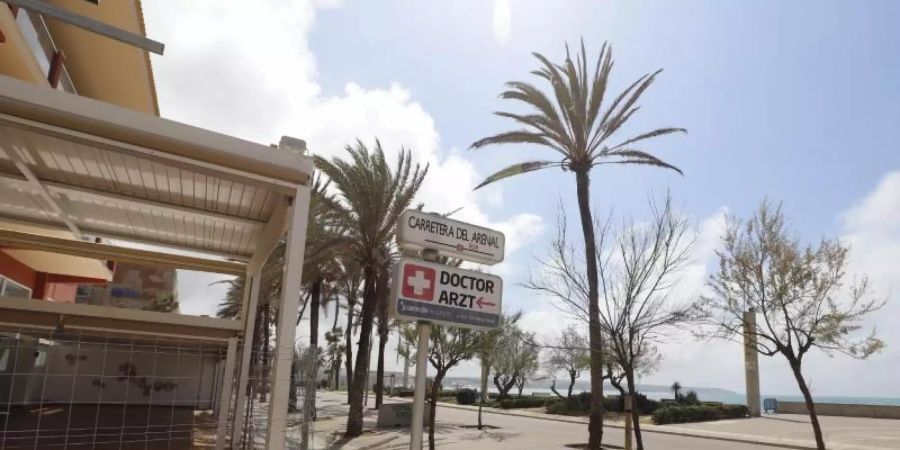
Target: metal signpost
427,292
419,231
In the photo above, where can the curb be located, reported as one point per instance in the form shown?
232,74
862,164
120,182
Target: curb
653,429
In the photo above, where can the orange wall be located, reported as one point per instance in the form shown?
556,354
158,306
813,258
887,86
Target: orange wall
38,282
61,293
18,272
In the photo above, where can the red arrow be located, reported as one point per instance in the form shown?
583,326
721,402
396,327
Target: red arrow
481,303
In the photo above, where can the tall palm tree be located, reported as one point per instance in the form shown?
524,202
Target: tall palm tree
382,290
349,283
371,197
579,129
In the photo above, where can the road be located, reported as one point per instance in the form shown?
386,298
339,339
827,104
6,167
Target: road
455,431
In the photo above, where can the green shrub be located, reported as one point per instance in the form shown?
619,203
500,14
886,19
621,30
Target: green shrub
644,405
523,402
734,411
690,398
578,405
467,396
697,413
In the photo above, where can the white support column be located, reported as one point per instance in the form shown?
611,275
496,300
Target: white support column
267,241
287,320
251,300
225,394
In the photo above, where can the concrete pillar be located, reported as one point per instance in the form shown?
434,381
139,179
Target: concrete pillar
751,363
288,306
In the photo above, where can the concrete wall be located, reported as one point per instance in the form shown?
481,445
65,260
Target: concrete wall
105,373
838,409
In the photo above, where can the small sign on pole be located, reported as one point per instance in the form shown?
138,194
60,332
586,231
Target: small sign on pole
445,294
418,231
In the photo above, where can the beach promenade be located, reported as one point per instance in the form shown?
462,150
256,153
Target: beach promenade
534,430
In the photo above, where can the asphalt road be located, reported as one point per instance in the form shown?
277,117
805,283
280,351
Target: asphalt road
455,430
527,433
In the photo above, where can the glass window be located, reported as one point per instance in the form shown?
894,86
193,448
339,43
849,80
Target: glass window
40,358
10,288
30,33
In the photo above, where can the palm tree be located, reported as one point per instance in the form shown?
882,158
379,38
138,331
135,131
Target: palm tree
577,127
381,310
371,199
676,388
349,283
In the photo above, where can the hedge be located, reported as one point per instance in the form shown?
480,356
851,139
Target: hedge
643,404
523,402
581,404
577,405
467,396
698,413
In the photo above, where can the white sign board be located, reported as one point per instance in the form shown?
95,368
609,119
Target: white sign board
446,294
418,230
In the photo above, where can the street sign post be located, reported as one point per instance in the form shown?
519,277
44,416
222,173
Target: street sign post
446,295
418,231
428,292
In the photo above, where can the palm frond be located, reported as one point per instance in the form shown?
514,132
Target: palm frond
628,156
575,122
517,169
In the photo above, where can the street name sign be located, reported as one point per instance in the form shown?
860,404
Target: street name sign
418,230
446,294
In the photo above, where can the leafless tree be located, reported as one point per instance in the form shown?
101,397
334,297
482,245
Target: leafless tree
638,266
797,290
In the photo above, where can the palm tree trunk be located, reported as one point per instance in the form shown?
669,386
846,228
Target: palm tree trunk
336,366
315,304
382,343
348,343
810,406
337,311
358,387
635,411
595,426
383,333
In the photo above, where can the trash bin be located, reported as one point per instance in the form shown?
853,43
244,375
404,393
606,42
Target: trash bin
770,405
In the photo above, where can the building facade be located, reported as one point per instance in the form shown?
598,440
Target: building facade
46,52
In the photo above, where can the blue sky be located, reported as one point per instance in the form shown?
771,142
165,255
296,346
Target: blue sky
798,101
794,100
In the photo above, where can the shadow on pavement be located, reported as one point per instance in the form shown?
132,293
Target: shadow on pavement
784,419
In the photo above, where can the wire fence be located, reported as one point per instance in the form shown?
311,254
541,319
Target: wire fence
301,407
61,390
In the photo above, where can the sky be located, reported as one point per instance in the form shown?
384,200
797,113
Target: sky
798,102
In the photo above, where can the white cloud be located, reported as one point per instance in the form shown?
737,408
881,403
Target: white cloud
872,229
502,21
250,72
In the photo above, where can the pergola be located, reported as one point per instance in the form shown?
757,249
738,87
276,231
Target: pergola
100,170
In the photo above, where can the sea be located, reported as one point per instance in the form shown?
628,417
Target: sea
657,392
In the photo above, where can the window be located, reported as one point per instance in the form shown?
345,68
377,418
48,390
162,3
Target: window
9,288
